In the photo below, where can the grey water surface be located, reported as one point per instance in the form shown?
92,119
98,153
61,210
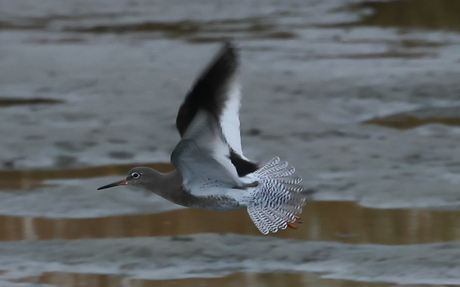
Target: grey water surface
362,97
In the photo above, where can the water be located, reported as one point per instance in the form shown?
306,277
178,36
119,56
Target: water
361,97
344,222
238,279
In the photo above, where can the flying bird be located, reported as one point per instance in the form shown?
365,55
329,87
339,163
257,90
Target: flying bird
211,170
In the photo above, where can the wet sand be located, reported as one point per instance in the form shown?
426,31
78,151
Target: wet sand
361,97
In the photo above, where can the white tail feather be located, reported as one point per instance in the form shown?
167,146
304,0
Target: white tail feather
277,198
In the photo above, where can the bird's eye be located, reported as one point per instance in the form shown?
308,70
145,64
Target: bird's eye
135,175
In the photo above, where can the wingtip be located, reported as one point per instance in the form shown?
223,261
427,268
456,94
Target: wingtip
228,45
209,91
229,52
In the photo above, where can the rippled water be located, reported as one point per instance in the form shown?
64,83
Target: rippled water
324,221
360,96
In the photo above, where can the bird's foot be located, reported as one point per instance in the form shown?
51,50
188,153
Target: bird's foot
290,225
297,220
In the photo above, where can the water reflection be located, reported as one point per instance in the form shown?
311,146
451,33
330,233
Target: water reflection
9,102
424,14
234,280
402,121
25,179
329,221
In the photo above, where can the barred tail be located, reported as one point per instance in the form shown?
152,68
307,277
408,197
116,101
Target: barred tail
277,198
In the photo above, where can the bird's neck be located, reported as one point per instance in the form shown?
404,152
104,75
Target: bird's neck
170,187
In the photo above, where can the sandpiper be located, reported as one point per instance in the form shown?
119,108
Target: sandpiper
211,170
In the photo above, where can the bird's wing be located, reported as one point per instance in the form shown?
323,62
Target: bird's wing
203,158
218,93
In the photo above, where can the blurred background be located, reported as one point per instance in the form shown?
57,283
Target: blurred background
362,97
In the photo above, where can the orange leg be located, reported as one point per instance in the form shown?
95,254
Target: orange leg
291,226
297,220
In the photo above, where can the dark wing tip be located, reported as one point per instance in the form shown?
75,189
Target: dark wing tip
209,91
229,52
210,94
222,67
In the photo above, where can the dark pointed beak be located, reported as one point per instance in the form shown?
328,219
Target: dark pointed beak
117,183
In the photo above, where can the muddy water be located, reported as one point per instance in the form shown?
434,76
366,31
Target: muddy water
234,280
341,221
25,179
408,122
425,14
411,119
326,221
345,222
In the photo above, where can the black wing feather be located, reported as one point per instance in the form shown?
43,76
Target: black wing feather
210,94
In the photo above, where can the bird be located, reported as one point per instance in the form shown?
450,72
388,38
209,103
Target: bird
211,171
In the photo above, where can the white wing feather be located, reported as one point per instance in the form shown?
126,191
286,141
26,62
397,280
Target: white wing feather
229,119
203,158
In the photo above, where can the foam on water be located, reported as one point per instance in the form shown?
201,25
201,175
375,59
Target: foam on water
207,255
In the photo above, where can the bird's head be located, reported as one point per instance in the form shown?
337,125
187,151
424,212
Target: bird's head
138,176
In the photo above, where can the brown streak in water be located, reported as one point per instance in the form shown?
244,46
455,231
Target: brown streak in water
345,222
425,14
186,27
408,122
176,29
9,102
258,27
24,179
388,54
233,280
412,14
